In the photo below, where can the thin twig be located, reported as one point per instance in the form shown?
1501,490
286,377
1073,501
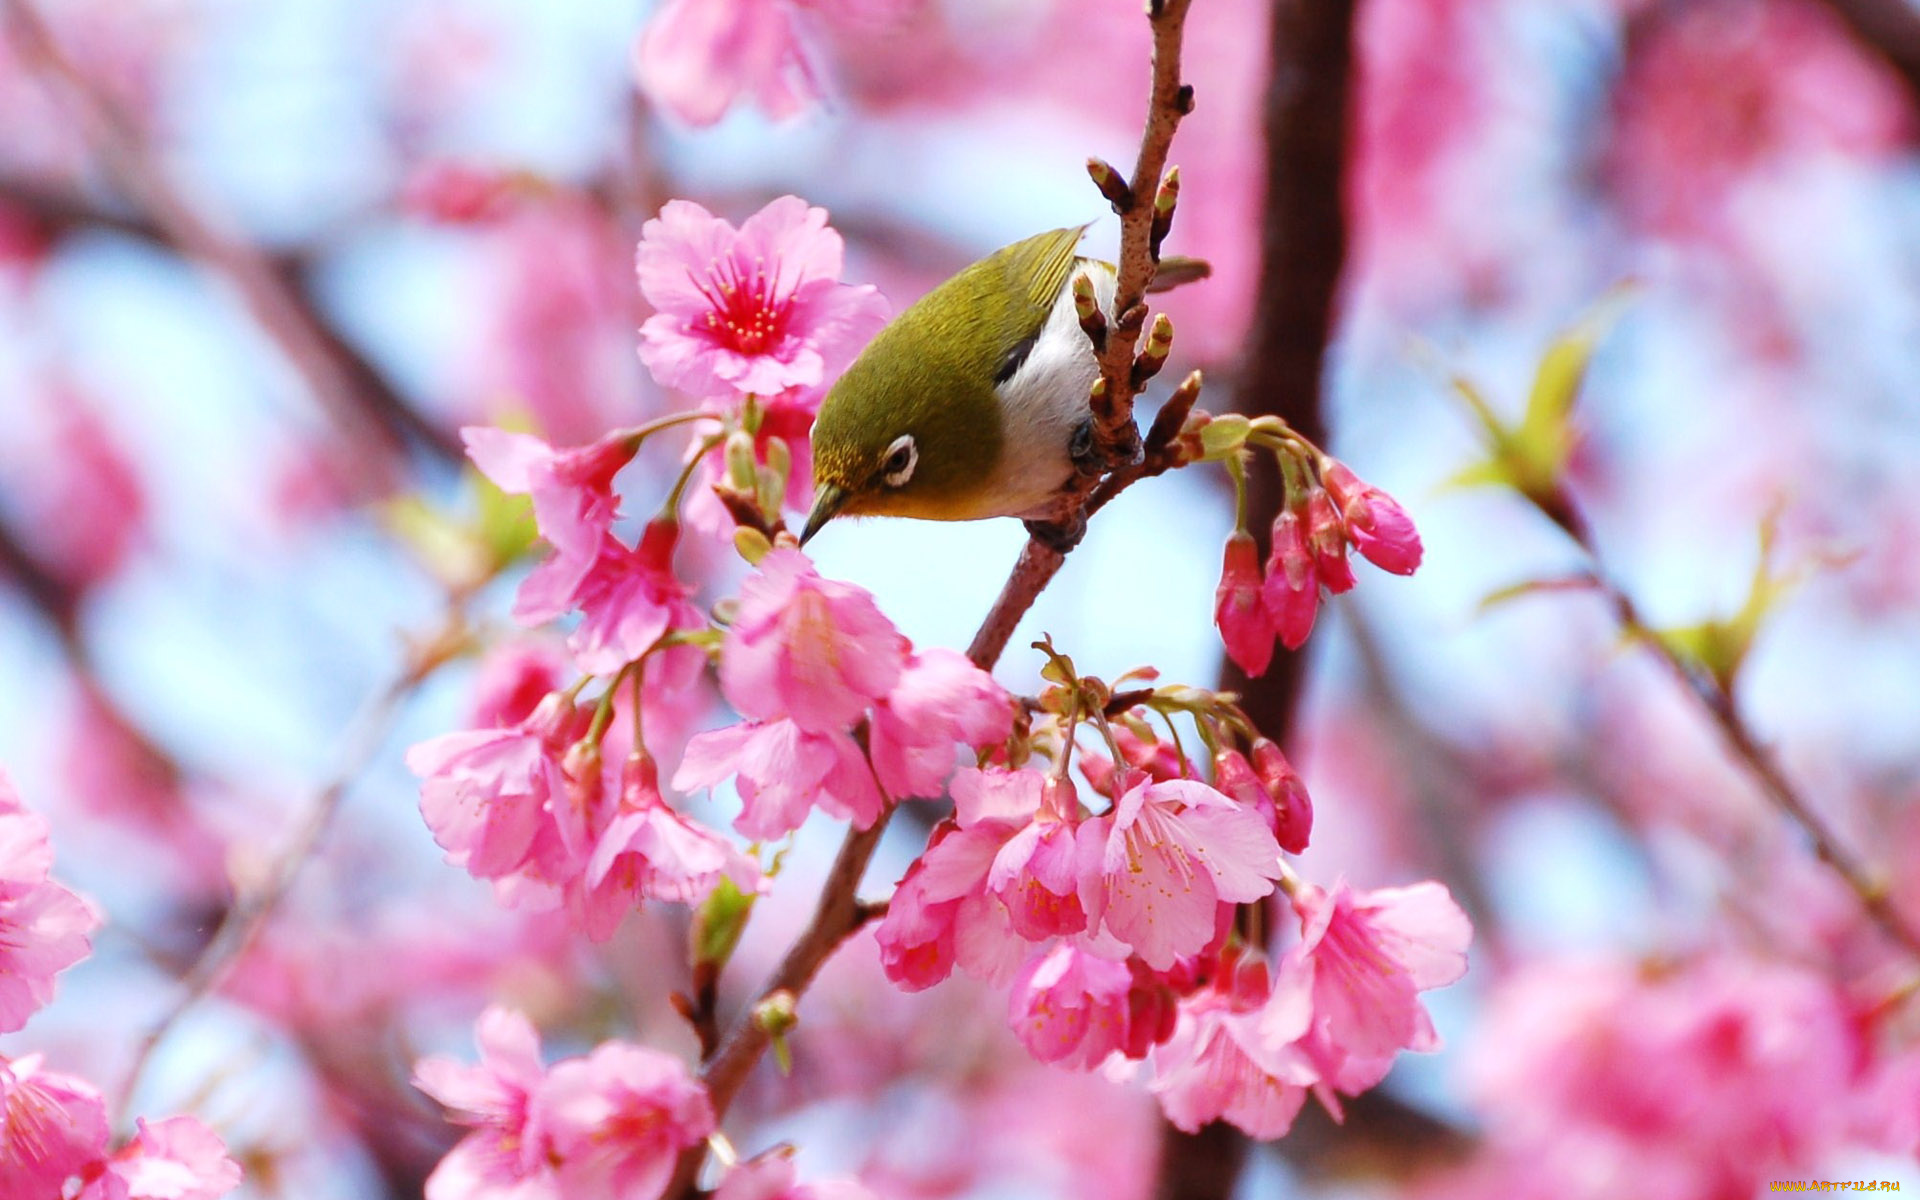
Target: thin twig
369,414
1169,100
1779,790
365,735
839,912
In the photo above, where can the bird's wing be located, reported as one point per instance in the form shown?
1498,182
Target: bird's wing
1043,262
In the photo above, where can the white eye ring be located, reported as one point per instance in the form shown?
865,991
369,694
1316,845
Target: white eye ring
902,457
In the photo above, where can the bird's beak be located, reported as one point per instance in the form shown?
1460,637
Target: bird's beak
828,500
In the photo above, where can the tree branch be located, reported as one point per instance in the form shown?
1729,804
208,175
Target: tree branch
839,912
1867,885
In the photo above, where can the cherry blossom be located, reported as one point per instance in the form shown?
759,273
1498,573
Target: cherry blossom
1378,527
574,506
614,1122
650,851
813,650
1232,1057
489,795
501,1158
175,1159
783,772
52,1126
1368,955
1270,786
940,698
1158,865
594,1128
943,915
698,56
514,677
631,599
1292,589
1071,1007
43,926
758,309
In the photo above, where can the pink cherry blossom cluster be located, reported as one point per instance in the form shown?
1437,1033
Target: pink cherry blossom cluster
1328,510
1111,907
1116,929
806,661
53,1126
608,1125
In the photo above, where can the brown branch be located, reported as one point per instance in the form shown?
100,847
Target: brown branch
371,418
1115,435
1867,885
839,911
1145,210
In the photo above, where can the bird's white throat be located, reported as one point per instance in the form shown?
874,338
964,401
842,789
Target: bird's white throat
1044,401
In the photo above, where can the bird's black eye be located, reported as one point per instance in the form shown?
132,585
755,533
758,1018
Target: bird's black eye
902,457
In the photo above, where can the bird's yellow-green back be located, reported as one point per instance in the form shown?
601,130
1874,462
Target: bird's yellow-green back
931,374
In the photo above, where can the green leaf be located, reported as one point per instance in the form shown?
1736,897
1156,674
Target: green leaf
1496,429
1720,645
1224,436
1546,431
1487,472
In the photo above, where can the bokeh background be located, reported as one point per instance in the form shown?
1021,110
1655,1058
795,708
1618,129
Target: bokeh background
259,262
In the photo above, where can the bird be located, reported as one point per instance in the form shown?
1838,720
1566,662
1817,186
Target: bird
972,403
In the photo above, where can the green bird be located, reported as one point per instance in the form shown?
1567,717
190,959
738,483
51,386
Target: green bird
973,402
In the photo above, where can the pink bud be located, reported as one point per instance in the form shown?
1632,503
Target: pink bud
1293,808
1099,772
1238,609
1292,590
1327,535
1233,775
657,540
1152,1011
1381,530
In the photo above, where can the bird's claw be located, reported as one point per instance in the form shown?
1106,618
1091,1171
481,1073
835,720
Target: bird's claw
1087,457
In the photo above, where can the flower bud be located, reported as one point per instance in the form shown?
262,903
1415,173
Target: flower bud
1292,589
656,544
741,467
1245,626
1165,200
1380,529
1327,535
1152,1011
1292,807
1111,184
